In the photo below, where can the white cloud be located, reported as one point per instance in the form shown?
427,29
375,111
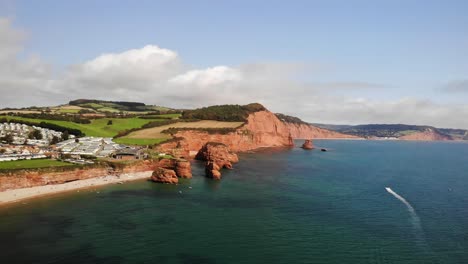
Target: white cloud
21,81
156,75
208,77
10,40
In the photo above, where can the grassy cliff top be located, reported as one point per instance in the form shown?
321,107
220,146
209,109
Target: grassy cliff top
290,119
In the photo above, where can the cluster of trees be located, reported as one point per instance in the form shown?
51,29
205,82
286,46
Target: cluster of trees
290,119
90,101
234,113
8,138
35,134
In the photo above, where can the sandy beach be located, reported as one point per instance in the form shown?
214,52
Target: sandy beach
11,196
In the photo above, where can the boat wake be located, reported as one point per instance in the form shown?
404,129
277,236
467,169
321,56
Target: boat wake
418,231
403,200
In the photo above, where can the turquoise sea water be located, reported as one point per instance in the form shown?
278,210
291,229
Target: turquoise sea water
276,206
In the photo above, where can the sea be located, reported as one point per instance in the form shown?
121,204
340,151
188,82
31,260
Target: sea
359,202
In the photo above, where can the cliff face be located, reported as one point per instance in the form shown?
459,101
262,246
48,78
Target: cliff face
263,129
426,135
31,178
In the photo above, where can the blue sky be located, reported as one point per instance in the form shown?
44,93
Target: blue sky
395,50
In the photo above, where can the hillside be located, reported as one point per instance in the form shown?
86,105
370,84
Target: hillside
115,106
94,107
400,131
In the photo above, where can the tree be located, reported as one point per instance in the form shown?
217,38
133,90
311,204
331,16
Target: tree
55,140
35,134
65,135
109,123
9,138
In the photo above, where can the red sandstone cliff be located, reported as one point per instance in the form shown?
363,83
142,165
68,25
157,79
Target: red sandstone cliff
427,135
31,178
262,129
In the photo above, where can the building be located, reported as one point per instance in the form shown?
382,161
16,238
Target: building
128,154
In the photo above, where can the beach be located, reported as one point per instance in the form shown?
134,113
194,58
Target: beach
16,195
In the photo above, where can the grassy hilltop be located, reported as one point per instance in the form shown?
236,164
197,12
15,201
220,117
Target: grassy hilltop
130,123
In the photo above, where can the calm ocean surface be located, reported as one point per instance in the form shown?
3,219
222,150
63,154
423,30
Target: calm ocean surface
288,206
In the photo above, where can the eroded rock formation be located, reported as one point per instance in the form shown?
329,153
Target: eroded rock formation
212,170
217,156
307,144
163,175
183,168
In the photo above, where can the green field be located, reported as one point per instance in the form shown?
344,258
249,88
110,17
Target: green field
32,164
139,141
98,127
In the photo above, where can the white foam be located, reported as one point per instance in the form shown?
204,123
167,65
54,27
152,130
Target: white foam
403,200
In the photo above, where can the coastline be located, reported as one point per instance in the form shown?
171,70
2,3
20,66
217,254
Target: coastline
17,195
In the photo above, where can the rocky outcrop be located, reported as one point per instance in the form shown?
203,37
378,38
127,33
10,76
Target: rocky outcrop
183,169
428,134
163,175
307,144
217,156
262,129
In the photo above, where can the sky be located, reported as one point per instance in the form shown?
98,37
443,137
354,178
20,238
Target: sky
340,62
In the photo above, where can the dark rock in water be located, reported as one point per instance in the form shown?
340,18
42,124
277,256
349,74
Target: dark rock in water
323,149
307,144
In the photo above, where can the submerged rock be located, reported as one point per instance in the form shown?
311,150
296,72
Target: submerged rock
164,176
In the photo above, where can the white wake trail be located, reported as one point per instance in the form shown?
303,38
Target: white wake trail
419,233
403,200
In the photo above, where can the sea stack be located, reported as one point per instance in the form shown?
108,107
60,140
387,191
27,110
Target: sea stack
164,176
307,144
217,156
183,169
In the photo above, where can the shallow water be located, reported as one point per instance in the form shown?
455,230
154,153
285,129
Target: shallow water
276,206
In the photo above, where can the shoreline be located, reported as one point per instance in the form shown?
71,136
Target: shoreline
13,196
16,195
